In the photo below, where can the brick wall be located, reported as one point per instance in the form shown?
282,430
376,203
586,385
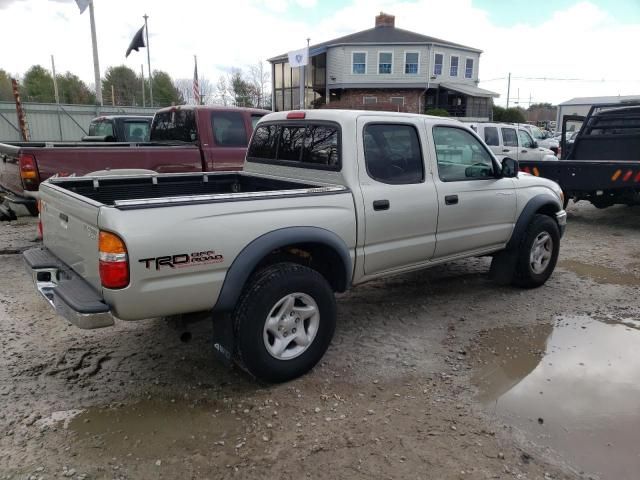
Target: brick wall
352,99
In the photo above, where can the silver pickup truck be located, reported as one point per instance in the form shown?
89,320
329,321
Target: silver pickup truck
327,200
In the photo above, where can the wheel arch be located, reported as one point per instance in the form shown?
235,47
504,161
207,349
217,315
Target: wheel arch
316,247
540,204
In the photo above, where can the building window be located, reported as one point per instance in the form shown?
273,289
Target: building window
453,70
411,62
359,62
385,62
397,101
369,100
468,70
438,58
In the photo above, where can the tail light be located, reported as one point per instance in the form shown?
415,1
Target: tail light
29,172
114,261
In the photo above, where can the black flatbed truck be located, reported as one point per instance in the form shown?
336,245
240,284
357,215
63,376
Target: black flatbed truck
602,165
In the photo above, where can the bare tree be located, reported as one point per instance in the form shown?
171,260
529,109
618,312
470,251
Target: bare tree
185,86
222,94
260,79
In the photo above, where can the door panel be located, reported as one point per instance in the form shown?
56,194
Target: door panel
525,148
476,209
400,201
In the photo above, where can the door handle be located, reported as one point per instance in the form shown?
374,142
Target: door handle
524,150
381,204
506,150
451,200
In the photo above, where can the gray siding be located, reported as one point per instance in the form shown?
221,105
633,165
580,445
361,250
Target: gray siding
42,119
339,65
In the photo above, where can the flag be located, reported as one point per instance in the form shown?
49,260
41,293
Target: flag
299,58
137,42
196,85
82,5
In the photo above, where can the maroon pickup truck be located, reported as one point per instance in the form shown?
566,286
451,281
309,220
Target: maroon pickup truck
182,139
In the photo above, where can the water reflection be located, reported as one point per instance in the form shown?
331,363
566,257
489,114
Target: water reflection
574,386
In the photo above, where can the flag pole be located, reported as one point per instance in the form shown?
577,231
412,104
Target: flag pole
56,95
142,76
96,62
196,81
146,29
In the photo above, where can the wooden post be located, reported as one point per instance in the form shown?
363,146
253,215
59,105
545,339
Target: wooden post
22,122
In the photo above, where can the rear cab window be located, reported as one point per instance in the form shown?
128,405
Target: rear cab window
297,144
176,125
135,131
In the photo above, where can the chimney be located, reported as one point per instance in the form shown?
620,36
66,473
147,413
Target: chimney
385,20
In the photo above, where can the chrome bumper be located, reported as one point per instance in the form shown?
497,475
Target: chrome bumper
69,295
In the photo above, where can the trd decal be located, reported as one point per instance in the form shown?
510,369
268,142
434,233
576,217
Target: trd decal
183,260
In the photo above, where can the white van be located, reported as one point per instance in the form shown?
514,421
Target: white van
509,140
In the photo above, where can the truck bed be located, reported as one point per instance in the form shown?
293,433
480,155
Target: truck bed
149,190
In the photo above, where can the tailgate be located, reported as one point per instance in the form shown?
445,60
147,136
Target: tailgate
70,230
9,169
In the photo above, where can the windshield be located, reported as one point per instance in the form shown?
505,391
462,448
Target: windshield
101,129
537,133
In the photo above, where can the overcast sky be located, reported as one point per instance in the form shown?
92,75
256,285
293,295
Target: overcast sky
595,41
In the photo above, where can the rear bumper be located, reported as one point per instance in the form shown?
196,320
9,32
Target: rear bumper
66,291
23,206
561,218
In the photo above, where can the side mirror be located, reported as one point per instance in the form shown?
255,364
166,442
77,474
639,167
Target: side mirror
534,145
510,168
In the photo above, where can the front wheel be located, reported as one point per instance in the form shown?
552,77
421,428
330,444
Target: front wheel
537,253
284,322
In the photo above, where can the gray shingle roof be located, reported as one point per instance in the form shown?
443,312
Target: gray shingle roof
382,36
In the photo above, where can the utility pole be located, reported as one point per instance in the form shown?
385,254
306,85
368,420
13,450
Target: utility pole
56,95
508,88
113,96
142,76
96,63
146,30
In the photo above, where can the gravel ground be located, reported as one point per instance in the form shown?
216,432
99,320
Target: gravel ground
393,397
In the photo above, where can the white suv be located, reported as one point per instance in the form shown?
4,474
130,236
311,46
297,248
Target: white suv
514,141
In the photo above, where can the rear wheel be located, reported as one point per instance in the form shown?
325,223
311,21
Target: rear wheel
284,322
537,253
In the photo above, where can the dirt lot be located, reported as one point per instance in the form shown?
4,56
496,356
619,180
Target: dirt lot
404,391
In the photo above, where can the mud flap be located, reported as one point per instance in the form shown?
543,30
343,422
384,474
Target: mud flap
503,267
223,339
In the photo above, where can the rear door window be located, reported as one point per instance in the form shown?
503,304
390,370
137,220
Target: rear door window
491,136
229,129
392,153
509,137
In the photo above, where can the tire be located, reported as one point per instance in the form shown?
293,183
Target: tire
268,296
530,274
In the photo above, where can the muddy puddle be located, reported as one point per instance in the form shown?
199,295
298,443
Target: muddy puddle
573,386
600,274
157,429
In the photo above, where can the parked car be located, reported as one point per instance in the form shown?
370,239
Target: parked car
600,159
182,139
119,128
541,138
328,199
514,141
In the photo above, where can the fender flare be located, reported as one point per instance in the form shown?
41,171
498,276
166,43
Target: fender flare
530,209
249,257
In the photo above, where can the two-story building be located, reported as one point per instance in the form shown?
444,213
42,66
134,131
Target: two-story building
386,68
